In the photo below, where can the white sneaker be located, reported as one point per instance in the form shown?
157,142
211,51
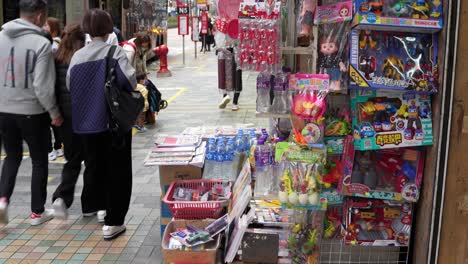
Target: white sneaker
52,155
59,152
226,100
3,211
60,209
111,232
101,216
38,219
235,108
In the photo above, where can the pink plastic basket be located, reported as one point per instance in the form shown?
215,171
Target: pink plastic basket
195,210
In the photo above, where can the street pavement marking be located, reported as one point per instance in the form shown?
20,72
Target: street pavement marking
179,93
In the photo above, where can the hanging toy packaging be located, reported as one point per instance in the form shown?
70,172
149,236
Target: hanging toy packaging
308,107
259,36
305,22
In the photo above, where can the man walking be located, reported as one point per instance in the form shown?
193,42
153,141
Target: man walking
27,104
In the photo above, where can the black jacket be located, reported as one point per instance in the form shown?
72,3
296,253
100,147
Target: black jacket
61,90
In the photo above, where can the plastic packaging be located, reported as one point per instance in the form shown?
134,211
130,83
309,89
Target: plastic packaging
281,100
305,22
263,170
263,93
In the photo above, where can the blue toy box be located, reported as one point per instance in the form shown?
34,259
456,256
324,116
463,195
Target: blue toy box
399,15
385,119
394,60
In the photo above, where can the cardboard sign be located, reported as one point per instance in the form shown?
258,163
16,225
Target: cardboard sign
195,29
204,23
183,25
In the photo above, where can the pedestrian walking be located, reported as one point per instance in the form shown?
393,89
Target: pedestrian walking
136,50
109,164
62,199
27,103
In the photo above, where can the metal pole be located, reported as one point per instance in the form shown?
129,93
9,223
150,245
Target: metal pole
183,49
195,49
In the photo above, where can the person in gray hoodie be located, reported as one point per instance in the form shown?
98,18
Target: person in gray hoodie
27,104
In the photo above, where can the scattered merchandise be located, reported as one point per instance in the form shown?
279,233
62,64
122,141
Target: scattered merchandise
377,223
397,15
191,236
390,120
394,60
274,217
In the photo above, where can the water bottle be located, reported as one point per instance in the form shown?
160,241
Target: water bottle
263,93
229,151
263,172
239,141
220,151
211,150
280,89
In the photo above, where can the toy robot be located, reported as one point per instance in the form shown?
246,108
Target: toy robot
437,10
413,119
400,9
420,9
331,62
366,37
367,65
393,68
375,6
306,20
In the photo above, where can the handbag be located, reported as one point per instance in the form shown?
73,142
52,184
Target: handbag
124,106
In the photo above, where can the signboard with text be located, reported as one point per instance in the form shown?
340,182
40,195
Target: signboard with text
195,29
183,25
183,9
204,23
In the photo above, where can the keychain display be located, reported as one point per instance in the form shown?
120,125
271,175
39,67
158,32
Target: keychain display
371,222
305,22
397,15
333,54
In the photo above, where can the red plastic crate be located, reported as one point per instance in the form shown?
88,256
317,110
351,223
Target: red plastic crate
192,210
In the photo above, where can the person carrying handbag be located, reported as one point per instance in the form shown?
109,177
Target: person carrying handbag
101,79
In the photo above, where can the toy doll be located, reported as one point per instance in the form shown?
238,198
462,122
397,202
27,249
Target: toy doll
306,20
330,62
413,119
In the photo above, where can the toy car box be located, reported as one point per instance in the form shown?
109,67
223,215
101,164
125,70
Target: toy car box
391,174
393,60
385,119
399,15
371,222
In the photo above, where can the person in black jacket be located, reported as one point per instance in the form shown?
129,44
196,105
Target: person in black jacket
73,40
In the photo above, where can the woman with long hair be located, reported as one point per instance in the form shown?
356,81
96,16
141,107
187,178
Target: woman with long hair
136,50
73,40
108,172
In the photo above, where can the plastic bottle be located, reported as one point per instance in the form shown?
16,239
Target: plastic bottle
263,169
263,93
280,89
239,141
229,155
211,150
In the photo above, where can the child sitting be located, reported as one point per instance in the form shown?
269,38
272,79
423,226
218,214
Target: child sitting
141,79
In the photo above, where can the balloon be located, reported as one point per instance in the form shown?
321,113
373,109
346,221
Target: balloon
228,9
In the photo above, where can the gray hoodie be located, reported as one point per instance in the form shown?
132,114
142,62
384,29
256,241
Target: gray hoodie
27,70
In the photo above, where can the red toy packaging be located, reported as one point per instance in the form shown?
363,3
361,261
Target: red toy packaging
394,174
371,222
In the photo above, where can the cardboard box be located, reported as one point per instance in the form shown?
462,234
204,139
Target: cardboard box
394,60
206,256
398,15
171,173
385,119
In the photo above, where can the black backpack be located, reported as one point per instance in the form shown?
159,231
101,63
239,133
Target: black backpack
155,97
124,106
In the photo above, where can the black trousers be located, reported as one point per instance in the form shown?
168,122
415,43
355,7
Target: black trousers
108,175
58,139
74,154
34,129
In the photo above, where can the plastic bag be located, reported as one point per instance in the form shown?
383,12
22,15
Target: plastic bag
305,22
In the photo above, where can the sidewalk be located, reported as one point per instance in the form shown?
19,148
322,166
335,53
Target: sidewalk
193,98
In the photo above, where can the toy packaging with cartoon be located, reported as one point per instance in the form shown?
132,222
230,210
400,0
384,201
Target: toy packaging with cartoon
391,60
397,15
391,174
384,119
370,222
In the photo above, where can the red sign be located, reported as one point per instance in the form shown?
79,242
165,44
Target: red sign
204,23
183,25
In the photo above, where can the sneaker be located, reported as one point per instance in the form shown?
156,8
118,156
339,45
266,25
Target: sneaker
226,100
3,211
142,129
235,108
101,216
52,155
111,232
59,152
60,209
38,219
90,214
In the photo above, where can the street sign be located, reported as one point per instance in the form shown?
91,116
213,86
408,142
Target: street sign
204,23
195,29
183,25
183,9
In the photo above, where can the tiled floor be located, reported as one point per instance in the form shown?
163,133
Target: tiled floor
193,95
